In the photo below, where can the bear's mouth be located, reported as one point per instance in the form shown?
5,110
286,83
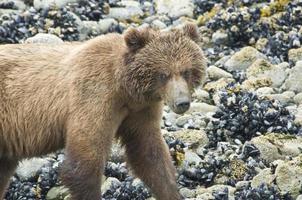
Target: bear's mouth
179,109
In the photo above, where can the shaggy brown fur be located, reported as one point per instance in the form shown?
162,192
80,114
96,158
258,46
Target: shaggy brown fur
81,96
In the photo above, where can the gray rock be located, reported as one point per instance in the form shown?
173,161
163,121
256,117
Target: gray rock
289,177
97,28
192,138
261,44
110,182
221,61
187,193
8,12
105,24
298,98
295,55
264,91
278,146
216,73
218,85
298,115
202,108
264,176
126,13
294,81
117,152
205,196
43,4
57,193
29,167
44,38
299,197
220,37
201,95
215,188
285,98
242,59
261,68
158,24
175,8
182,120
137,182
191,158
242,184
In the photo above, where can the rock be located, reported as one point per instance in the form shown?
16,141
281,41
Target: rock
205,196
277,146
254,83
298,115
8,12
57,193
218,85
90,27
96,28
44,4
175,8
289,177
68,197
295,55
298,98
187,193
294,81
242,184
44,38
117,153
158,24
262,68
110,182
202,108
264,176
299,197
29,167
221,61
182,120
201,95
285,98
192,138
242,59
131,11
215,188
220,37
191,158
261,44
216,73
264,91
105,24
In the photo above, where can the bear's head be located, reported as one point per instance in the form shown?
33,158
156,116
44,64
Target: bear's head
163,65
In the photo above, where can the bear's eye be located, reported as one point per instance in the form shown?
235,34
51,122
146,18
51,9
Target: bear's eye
163,77
186,74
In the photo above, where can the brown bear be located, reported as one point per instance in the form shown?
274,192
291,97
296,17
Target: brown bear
82,96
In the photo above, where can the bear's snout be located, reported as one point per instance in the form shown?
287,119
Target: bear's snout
182,105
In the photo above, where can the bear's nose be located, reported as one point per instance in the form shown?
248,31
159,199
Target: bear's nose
182,105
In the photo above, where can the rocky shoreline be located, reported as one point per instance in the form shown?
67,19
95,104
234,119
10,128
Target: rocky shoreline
241,138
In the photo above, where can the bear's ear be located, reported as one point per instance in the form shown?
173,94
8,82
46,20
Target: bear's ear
191,30
137,39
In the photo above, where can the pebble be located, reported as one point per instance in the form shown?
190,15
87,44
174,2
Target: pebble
294,82
215,73
242,59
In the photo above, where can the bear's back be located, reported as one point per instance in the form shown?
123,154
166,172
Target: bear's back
33,92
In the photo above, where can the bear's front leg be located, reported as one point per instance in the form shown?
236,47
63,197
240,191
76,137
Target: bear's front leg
148,154
88,144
